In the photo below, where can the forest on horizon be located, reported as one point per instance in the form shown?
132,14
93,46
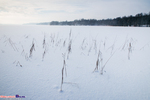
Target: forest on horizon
137,20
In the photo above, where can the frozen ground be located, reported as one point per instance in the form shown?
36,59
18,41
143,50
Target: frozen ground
32,59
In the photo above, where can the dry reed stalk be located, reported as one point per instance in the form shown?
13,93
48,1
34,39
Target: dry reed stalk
147,44
95,46
45,51
14,62
23,52
70,35
113,45
18,63
26,57
125,43
64,43
106,63
69,48
90,49
43,54
44,42
104,44
63,69
12,44
31,49
97,62
52,38
129,50
82,44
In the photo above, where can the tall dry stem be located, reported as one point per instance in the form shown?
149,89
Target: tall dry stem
102,68
69,48
63,70
129,50
44,42
32,48
97,62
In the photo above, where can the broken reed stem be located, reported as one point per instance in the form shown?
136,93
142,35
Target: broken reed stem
19,64
12,45
26,57
106,63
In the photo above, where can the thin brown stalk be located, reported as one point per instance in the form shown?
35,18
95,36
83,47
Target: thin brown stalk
129,50
31,49
63,69
106,63
69,48
44,42
97,62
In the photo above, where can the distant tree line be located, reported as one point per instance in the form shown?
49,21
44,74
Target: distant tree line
137,20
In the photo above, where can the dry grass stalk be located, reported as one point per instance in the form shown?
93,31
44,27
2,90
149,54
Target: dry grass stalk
112,48
95,46
14,62
129,50
23,52
97,62
12,44
64,43
44,53
70,35
52,38
102,68
104,44
31,49
69,48
113,45
147,44
44,42
58,42
125,43
82,45
63,70
18,63
90,49
26,57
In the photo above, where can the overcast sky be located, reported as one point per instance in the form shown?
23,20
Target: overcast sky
34,11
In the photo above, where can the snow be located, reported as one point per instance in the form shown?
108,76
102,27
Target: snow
126,75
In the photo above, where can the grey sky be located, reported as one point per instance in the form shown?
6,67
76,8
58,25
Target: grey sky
33,11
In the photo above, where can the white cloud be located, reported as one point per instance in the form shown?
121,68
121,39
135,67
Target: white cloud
25,11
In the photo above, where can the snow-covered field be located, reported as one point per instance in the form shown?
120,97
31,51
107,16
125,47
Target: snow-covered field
33,60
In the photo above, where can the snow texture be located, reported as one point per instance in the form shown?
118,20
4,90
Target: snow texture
32,59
